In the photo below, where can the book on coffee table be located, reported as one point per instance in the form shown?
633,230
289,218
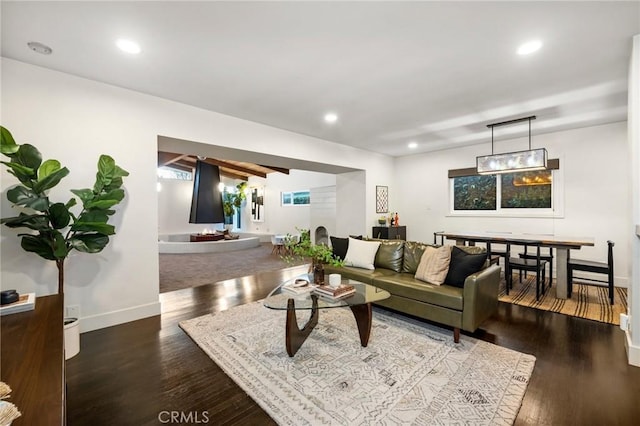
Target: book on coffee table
298,286
342,290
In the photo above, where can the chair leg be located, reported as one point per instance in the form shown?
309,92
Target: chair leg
550,267
538,285
611,287
569,282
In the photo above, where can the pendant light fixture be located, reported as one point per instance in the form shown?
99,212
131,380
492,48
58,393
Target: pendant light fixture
519,161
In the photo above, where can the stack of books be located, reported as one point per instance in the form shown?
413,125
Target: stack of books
299,286
343,290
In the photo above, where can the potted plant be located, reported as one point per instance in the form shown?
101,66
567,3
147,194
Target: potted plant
318,254
54,231
232,201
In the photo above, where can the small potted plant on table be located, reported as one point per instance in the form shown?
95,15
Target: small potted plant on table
319,254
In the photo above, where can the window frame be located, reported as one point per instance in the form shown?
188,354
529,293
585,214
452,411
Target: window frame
291,194
556,210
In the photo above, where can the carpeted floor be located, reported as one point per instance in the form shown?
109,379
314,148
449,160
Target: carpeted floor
587,301
410,373
178,271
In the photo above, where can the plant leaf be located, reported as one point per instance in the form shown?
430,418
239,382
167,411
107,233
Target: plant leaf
38,245
93,216
51,180
23,173
47,168
89,243
28,156
23,196
72,202
37,222
100,227
8,145
85,195
59,216
60,249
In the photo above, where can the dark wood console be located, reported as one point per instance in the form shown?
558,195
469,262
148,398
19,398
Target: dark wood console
390,232
32,362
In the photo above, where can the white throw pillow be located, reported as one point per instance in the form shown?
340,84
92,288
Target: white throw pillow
361,254
434,265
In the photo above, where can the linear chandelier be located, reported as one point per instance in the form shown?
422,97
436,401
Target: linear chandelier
519,161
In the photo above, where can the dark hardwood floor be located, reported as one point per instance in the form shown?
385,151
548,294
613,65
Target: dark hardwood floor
140,372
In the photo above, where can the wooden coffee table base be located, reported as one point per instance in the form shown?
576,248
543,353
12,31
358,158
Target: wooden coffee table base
296,336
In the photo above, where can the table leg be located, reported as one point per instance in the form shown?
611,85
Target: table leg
295,336
363,316
562,255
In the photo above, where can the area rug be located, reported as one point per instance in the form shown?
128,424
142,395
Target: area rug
410,373
587,301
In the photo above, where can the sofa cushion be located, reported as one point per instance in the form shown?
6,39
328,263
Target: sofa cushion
405,285
389,255
363,275
339,246
412,253
361,254
434,265
462,265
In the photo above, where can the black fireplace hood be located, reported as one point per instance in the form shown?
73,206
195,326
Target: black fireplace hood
206,202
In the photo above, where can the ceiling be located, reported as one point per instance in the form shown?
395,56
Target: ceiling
238,170
435,73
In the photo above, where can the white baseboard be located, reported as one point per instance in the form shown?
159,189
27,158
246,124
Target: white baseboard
633,352
95,322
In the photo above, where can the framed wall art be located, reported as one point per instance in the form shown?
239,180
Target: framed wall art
382,199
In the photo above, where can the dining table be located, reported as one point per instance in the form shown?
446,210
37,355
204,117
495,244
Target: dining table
561,243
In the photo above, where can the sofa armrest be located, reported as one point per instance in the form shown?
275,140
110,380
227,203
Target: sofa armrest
480,297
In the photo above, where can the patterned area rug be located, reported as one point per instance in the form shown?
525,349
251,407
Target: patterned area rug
411,372
587,301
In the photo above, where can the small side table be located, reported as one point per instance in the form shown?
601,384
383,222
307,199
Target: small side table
389,232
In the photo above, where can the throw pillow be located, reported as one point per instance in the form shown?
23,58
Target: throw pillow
361,254
339,246
462,265
434,265
389,255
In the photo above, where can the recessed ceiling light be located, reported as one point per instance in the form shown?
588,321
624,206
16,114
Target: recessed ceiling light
128,46
413,145
529,47
40,48
331,117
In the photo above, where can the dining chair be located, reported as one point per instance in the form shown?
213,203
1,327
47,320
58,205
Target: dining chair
278,244
536,265
592,266
435,236
494,255
546,256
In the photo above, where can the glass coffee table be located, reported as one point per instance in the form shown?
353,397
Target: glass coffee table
359,302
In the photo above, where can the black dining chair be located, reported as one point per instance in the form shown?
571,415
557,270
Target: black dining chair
435,236
592,266
494,254
546,256
536,265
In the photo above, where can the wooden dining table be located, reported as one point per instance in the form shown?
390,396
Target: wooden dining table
561,243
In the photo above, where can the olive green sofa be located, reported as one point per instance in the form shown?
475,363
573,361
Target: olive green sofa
461,308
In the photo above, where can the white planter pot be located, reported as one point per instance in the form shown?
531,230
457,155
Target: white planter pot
71,337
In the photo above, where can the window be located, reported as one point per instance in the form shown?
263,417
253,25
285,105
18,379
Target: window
512,192
171,173
296,198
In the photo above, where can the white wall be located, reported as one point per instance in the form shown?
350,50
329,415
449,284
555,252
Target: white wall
633,226
174,204
594,170
279,219
75,120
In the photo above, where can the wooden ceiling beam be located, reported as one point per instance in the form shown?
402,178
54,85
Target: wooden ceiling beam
179,166
235,167
232,175
276,169
166,158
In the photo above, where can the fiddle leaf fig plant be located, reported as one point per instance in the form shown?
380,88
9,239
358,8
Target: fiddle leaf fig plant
54,229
